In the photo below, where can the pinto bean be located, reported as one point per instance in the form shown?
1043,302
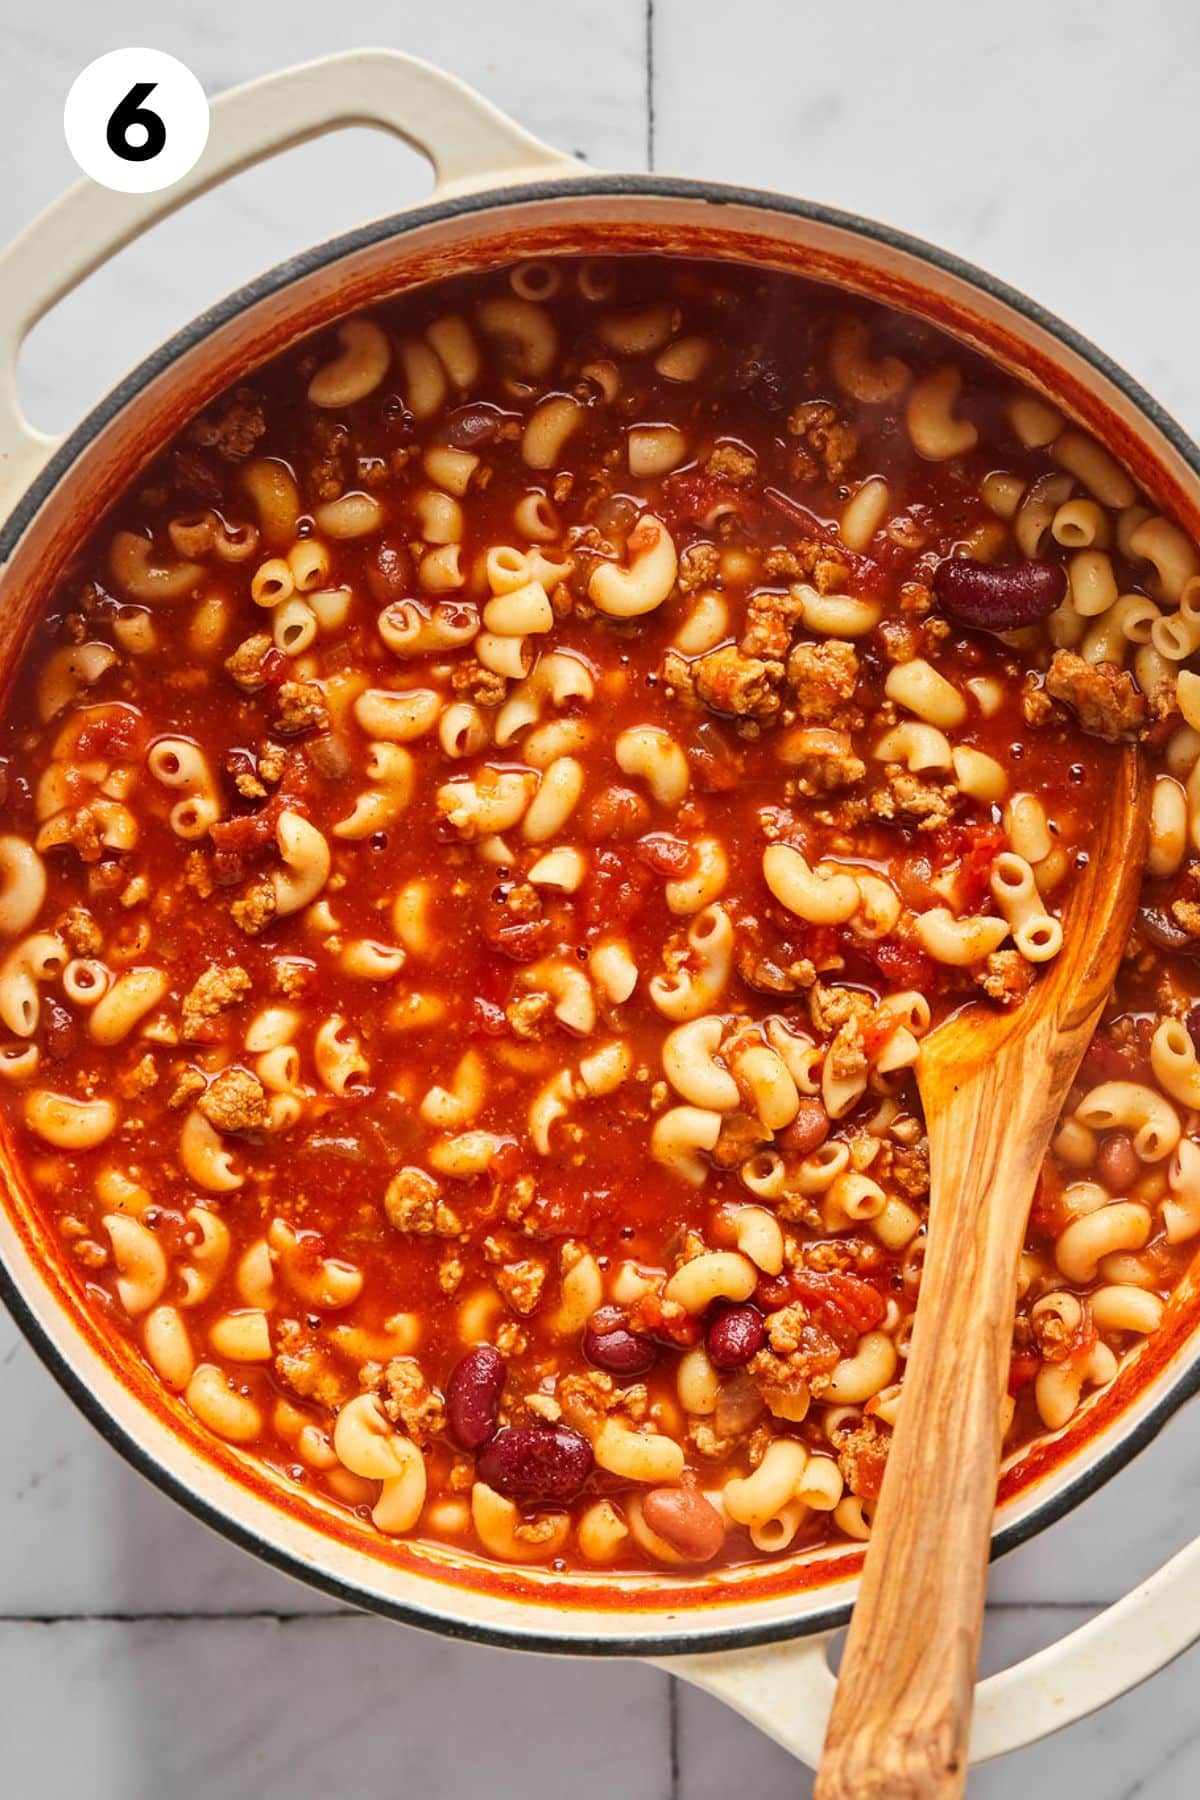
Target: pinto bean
330,756
808,1130
473,1396
1117,1164
685,1520
734,1337
998,596
536,1465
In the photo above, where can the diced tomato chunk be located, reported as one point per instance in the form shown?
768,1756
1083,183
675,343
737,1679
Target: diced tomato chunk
248,832
668,856
507,1161
109,732
712,773
523,940
773,1292
837,1300
1105,1061
617,890
1022,1368
486,1018
691,495
1048,1216
649,1317
974,848
565,1213
902,964
240,843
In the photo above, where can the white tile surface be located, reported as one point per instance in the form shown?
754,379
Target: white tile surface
1047,143
253,1708
1056,146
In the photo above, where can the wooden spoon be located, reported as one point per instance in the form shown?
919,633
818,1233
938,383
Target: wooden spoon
992,1085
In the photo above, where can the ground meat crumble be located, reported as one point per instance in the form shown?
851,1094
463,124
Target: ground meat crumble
414,1205
234,1101
301,707
408,1399
217,989
823,678
1103,697
305,1365
233,427
862,1454
728,682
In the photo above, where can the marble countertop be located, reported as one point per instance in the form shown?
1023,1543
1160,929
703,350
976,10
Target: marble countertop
140,1655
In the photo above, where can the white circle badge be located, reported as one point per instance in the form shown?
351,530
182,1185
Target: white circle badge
136,120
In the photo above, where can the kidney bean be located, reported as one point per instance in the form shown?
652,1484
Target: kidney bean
998,596
1162,931
617,516
1117,1163
808,1130
688,1522
389,571
470,426
734,1337
473,1396
536,1465
609,1343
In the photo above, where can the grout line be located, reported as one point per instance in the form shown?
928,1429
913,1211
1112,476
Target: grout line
234,1615
256,1614
675,1789
650,119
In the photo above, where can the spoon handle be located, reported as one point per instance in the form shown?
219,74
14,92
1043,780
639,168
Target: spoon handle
903,1706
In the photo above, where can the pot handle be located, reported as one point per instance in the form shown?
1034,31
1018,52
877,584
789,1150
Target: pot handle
470,144
786,1690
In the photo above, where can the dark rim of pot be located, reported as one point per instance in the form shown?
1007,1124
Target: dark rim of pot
648,1642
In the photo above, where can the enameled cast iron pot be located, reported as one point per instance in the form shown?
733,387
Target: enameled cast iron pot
759,1636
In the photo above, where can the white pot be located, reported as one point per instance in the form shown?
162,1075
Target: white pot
756,1636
